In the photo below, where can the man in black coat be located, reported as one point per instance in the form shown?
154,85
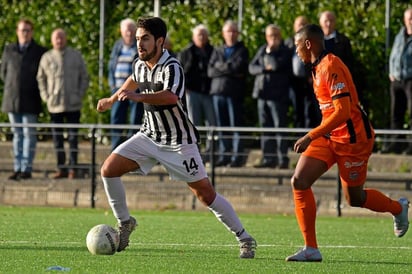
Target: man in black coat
21,98
195,59
228,68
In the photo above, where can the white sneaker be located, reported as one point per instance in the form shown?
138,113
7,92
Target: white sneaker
306,254
400,221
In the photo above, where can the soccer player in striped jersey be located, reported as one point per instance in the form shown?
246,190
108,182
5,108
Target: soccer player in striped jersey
345,137
167,136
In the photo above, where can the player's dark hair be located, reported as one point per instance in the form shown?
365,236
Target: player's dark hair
155,25
311,32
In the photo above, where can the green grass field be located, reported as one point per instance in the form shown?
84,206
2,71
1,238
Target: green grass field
33,239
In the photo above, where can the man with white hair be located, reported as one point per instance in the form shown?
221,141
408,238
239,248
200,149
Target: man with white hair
400,76
124,52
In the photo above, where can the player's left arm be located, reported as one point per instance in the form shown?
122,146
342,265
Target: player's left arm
173,88
340,115
341,100
341,111
163,97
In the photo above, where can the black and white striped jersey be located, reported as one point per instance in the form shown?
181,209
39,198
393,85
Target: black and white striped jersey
165,124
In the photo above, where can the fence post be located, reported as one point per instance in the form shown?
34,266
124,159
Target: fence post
212,157
93,168
339,196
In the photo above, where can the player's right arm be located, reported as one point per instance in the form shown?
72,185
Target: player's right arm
106,103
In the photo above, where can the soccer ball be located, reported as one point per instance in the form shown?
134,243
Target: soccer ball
102,240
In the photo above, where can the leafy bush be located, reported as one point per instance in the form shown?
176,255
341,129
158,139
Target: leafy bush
363,21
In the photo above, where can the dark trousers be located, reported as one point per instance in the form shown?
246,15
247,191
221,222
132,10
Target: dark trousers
273,114
72,117
401,104
229,114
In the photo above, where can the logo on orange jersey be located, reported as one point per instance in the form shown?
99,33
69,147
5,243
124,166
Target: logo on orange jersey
338,86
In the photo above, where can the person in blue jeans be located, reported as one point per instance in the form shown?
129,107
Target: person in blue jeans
228,68
400,76
123,53
272,68
21,98
195,59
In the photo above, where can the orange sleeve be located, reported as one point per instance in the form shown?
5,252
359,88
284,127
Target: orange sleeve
340,114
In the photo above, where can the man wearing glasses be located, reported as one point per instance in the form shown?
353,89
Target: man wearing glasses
21,98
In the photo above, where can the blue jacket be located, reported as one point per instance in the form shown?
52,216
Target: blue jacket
400,60
117,47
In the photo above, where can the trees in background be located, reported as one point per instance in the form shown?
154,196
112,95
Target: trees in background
363,21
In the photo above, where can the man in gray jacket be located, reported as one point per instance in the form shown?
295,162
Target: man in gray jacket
400,75
63,81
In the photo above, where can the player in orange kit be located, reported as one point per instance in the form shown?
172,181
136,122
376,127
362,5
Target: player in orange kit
345,137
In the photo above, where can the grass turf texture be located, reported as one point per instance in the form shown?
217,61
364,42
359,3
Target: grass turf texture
33,239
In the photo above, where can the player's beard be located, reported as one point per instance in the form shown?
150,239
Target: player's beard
149,55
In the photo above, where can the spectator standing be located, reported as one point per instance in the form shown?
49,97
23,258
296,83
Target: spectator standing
228,68
195,59
167,136
307,113
336,42
345,137
21,98
63,81
272,68
340,45
400,76
123,53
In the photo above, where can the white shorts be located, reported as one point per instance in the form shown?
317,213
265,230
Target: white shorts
182,162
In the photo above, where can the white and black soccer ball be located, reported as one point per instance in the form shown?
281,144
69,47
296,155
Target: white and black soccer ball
102,240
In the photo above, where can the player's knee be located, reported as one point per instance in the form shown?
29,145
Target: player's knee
105,170
355,196
298,183
204,192
354,202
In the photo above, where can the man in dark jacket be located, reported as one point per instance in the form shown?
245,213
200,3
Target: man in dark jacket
21,98
195,59
228,69
340,45
272,68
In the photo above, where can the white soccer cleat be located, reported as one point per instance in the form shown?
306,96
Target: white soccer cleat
306,254
400,221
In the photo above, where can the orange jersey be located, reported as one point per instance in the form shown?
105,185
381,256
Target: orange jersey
343,119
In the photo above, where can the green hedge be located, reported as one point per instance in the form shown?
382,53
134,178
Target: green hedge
361,20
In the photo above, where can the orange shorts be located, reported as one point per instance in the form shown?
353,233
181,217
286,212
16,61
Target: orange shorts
352,159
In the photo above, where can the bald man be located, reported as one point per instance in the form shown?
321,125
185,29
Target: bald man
63,81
